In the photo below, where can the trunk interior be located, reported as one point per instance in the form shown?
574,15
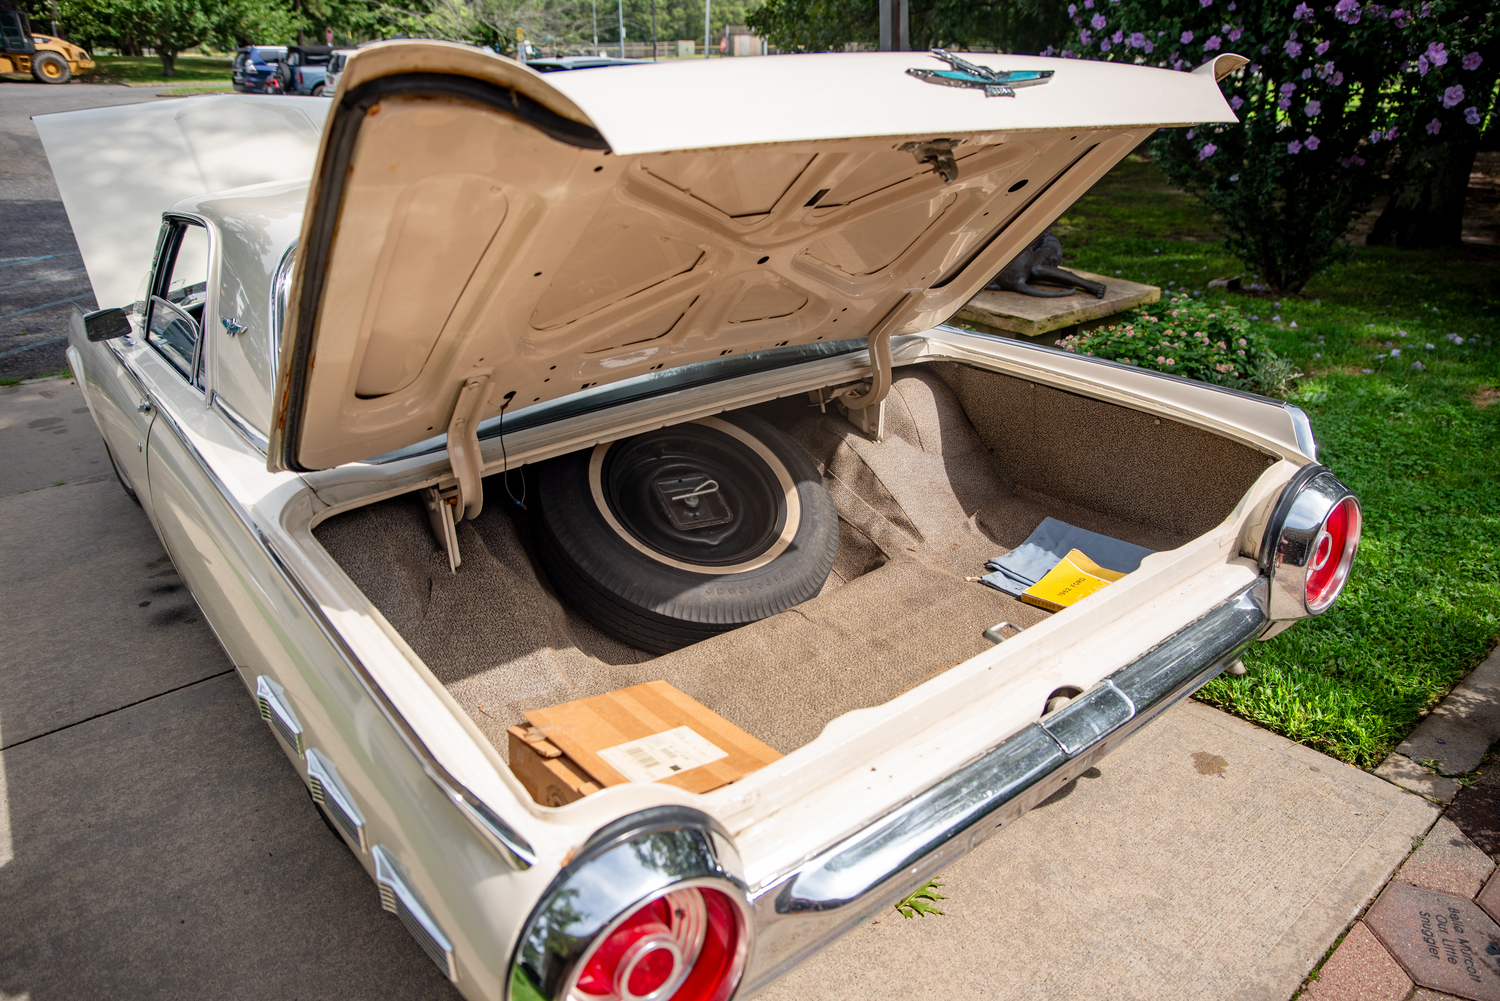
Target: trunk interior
971,463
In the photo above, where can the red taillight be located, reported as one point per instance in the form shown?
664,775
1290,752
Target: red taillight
684,946
1333,553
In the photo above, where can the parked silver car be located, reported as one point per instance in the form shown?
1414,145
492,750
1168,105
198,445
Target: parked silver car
418,406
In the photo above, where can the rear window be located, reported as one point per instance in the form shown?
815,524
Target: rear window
268,55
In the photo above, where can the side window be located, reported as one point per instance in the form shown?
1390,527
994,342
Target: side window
178,293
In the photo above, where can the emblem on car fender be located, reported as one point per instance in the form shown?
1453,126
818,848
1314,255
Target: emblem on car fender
994,83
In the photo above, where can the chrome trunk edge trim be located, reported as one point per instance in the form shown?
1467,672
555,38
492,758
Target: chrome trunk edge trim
802,911
400,900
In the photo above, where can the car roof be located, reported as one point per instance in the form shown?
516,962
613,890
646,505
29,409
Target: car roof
578,63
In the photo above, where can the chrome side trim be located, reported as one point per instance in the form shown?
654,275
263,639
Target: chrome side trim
329,793
1303,428
507,843
242,427
275,710
798,913
399,898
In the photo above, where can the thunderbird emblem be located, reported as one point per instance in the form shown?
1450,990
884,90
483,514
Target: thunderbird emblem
994,83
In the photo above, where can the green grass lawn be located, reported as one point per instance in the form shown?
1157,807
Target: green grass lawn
1421,447
147,69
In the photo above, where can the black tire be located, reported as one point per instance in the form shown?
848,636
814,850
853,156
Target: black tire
50,67
317,91
606,541
124,484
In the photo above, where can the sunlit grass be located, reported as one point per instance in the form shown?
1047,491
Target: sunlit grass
147,69
1421,447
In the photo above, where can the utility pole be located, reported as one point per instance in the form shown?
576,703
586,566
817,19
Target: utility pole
54,18
895,26
653,30
706,5
596,28
621,5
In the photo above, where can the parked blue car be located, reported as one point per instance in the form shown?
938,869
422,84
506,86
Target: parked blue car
255,68
304,69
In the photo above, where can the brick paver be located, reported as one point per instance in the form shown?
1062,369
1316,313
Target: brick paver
1447,861
1360,970
1443,941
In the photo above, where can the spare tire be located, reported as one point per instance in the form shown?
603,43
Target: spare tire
679,534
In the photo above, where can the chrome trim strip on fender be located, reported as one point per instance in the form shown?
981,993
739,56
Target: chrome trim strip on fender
243,427
507,843
798,913
1303,428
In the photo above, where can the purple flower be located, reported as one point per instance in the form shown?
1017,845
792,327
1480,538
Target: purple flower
1213,43
1472,61
1313,109
1207,151
1117,37
1187,36
1294,147
1391,133
1313,142
1293,49
1236,102
1067,53
1437,53
1434,127
1423,65
1337,79
1471,115
1088,4
1148,47
1284,103
1234,177
1191,133
1234,34
1104,45
1231,6
1354,160
1098,22
1322,48
1288,89
1375,136
1307,74
1453,95
1085,36
1347,11
1072,10
1048,50
1303,10
1137,40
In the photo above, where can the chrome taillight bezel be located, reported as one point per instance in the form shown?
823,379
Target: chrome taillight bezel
623,867
1291,540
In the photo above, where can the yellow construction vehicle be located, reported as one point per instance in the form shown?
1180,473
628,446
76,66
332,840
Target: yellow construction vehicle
48,59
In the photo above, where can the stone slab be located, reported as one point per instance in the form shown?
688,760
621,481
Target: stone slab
1359,970
47,437
169,850
1447,861
1476,811
1409,775
1489,898
1154,880
1423,994
1442,941
95,617
1461,729
1031,316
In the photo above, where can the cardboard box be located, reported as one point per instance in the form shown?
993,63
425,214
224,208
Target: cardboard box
547,773
648,733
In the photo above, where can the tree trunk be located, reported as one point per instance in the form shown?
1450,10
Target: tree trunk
168,62
1427,207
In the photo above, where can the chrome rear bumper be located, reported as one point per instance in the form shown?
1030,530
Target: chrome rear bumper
803,911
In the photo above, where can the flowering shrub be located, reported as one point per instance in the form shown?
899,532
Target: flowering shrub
1190,338
1336,97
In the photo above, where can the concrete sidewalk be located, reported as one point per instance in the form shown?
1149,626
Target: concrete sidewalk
155,842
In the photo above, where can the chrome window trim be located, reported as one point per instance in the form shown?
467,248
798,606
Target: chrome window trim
503,839
240,424
202,352
152,305
799,912
281,290
1303,429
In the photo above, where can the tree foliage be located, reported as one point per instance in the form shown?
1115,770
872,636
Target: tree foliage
831,25
1337,103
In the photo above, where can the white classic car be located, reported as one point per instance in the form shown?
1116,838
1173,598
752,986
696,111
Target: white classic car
495,391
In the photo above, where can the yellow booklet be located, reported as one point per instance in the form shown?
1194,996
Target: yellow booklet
1074,579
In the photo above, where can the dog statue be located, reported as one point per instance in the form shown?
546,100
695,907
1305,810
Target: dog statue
1038,262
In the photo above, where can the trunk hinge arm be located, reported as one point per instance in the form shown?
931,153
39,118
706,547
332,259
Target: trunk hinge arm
445,507
864,405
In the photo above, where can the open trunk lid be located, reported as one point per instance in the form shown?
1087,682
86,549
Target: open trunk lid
479,236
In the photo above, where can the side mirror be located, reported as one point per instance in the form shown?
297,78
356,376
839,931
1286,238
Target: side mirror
106,324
